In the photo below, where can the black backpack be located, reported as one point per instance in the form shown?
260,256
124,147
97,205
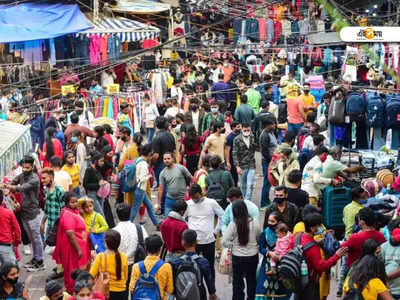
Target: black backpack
289,268
216,191
188,279
282,113
353,293
140,253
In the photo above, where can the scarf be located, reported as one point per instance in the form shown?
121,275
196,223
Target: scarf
177,216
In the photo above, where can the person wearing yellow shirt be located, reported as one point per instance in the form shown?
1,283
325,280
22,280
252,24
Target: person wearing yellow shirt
94,221
114,263
308,100
163,276
324,280
370,278
73,170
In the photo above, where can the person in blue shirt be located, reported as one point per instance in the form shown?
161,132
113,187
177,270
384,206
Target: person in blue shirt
95,88
189,238
235,194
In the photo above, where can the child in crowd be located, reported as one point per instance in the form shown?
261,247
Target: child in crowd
284,244
94,221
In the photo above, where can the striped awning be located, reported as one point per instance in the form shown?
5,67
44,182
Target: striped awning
127,30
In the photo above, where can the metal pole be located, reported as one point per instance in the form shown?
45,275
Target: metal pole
95,10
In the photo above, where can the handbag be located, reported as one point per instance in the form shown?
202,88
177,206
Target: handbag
97,239
104,190
140,253
102,281
225,262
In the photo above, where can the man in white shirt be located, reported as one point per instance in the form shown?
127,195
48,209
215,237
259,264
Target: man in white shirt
200,213
129,235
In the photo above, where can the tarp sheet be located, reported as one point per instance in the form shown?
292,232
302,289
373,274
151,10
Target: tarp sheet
324,38
127,30
140,7
30,21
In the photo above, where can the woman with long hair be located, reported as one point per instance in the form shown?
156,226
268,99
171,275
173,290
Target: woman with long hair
242,236
51,147
369,278
100,141
72,246
115,263
191,148
10,287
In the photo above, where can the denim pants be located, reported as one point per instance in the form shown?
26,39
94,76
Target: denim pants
7,254
140,197
149,134
331,129
32,228
168,205
379,138
247,183
266,185
244,267
98,203
295,127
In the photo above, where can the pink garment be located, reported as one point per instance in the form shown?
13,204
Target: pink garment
277,30
94,49
293,109
284,244
104,49
262,27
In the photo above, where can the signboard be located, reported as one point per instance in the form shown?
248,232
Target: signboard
113,89
66,89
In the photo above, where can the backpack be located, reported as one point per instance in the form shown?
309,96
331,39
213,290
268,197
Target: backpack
331,245
289,269
146,287
375,110
216,191
353,293
392,111
282,113
188,279
336,114
140,253
355,106
127,176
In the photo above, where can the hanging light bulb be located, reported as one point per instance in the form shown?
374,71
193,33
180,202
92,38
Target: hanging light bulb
367,10
374,14
375,6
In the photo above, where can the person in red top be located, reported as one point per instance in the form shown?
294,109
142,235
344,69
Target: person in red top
316,264
10,233
191,148
108,133
52,147
355,243
172,229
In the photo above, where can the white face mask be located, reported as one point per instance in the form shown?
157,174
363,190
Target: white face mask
246,134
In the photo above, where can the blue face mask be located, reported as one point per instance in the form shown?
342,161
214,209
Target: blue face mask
74,139
319,231
363,201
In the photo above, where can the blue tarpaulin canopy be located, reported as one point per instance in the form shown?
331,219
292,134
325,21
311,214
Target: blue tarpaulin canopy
30,21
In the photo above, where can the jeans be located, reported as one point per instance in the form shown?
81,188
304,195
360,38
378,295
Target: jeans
171,256
379,138
7,254
395,138
344,269
77,191
295,127
208,252
149,134
32,228
140,197
247,183
244,267
169,204
157,170
331,129
266,185
98,203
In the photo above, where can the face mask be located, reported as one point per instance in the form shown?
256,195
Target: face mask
306,92
61,297
272,226
320,231
363,201
74,139
237,131
279,200
123,139
193,107
61,119
12,281
223,130
214,110
246,134
79,112
173,125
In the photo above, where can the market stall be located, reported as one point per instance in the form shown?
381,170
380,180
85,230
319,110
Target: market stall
15,142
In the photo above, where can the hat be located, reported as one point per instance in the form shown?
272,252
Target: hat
396,234
83,200
52,287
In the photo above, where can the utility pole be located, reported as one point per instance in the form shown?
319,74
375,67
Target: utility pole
95,10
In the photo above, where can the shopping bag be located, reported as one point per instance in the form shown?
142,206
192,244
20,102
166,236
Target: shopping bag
225,262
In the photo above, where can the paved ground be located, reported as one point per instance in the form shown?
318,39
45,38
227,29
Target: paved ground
35,282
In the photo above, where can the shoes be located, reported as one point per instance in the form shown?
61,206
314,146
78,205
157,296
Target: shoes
27,250
55,276
37,266
30,263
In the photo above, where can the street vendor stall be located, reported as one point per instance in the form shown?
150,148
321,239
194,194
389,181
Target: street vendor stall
15,142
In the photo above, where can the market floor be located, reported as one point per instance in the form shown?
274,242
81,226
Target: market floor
35,282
